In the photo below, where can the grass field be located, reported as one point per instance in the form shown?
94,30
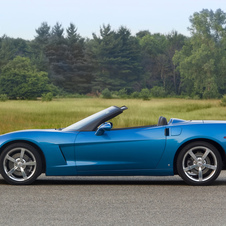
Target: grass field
17,115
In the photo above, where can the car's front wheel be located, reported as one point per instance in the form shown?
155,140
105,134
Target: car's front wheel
199,163
20,164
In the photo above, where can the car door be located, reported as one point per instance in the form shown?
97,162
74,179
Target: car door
120,149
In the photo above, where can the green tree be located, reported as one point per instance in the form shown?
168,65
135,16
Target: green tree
20,79
175,42
201,62
157,53
72,34
143,33
153,60
69,68
117,56
55,51
38,46
79,75
43,34
10,48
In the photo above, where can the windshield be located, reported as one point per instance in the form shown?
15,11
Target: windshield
90,123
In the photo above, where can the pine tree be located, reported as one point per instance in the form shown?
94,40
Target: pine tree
43,34
118,59
38,46
68,64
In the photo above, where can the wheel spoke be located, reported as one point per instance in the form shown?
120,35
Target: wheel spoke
23,173
190,167
192,155
29,164
200,174
10,158
12,170
210,166
205,154
22,154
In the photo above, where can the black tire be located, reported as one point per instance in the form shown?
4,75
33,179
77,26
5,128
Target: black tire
20,164
199,163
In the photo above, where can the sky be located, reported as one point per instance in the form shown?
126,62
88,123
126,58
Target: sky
20,18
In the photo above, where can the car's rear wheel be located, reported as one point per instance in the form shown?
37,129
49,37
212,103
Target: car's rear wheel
20,164
199,163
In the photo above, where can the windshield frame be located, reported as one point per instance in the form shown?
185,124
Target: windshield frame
91,122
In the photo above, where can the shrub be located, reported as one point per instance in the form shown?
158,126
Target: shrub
3,97
106,93
135,95
210,94
158,91
145,94
123,93
47,96
223,101
114,94
196,97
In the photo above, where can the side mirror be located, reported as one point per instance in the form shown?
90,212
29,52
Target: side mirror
103,127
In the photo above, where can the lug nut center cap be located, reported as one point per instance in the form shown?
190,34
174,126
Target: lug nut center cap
19,164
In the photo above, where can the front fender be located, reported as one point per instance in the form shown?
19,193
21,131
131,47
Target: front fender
57,148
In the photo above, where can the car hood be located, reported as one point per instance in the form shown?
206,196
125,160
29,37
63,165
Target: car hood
32,130
38,136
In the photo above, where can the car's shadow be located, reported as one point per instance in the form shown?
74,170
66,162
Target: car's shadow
88,181
126,182
91,182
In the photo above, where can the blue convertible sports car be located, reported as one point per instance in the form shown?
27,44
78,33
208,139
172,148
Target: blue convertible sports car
196,150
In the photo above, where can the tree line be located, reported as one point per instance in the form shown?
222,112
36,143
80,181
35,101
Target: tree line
61,62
